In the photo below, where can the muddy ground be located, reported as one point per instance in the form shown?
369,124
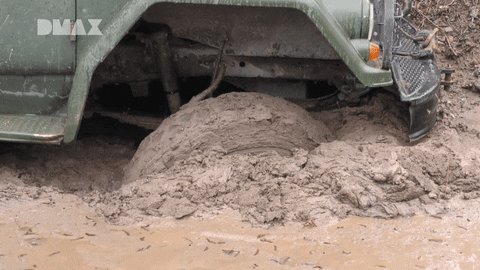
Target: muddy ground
358,199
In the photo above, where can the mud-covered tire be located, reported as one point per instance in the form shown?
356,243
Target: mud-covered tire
235,122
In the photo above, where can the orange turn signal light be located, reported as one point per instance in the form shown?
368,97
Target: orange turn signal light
374,51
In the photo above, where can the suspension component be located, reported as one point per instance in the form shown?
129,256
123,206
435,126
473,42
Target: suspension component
166,69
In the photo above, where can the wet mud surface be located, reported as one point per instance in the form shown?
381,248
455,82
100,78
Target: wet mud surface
355,199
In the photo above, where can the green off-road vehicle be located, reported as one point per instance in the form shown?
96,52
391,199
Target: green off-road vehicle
157,55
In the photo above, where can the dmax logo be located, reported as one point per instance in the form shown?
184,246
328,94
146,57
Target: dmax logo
68,27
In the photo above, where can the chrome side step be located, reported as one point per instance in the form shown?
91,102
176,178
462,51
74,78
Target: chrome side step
32,128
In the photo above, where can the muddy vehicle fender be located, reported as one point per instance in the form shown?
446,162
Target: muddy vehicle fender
349,46
93,49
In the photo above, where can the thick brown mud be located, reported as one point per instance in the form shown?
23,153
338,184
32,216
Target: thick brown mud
69,205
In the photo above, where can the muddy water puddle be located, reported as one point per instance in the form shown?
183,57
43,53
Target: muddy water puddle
70,236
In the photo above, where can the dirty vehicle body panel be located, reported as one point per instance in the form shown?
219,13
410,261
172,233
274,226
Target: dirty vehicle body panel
45,80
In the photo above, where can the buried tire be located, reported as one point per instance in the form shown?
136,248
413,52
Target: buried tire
235,122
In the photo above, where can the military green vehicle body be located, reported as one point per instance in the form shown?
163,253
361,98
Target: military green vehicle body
45,79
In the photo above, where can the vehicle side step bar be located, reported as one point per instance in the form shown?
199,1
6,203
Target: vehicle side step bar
32,128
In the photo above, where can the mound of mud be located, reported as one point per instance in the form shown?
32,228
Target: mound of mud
369,170
235,122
